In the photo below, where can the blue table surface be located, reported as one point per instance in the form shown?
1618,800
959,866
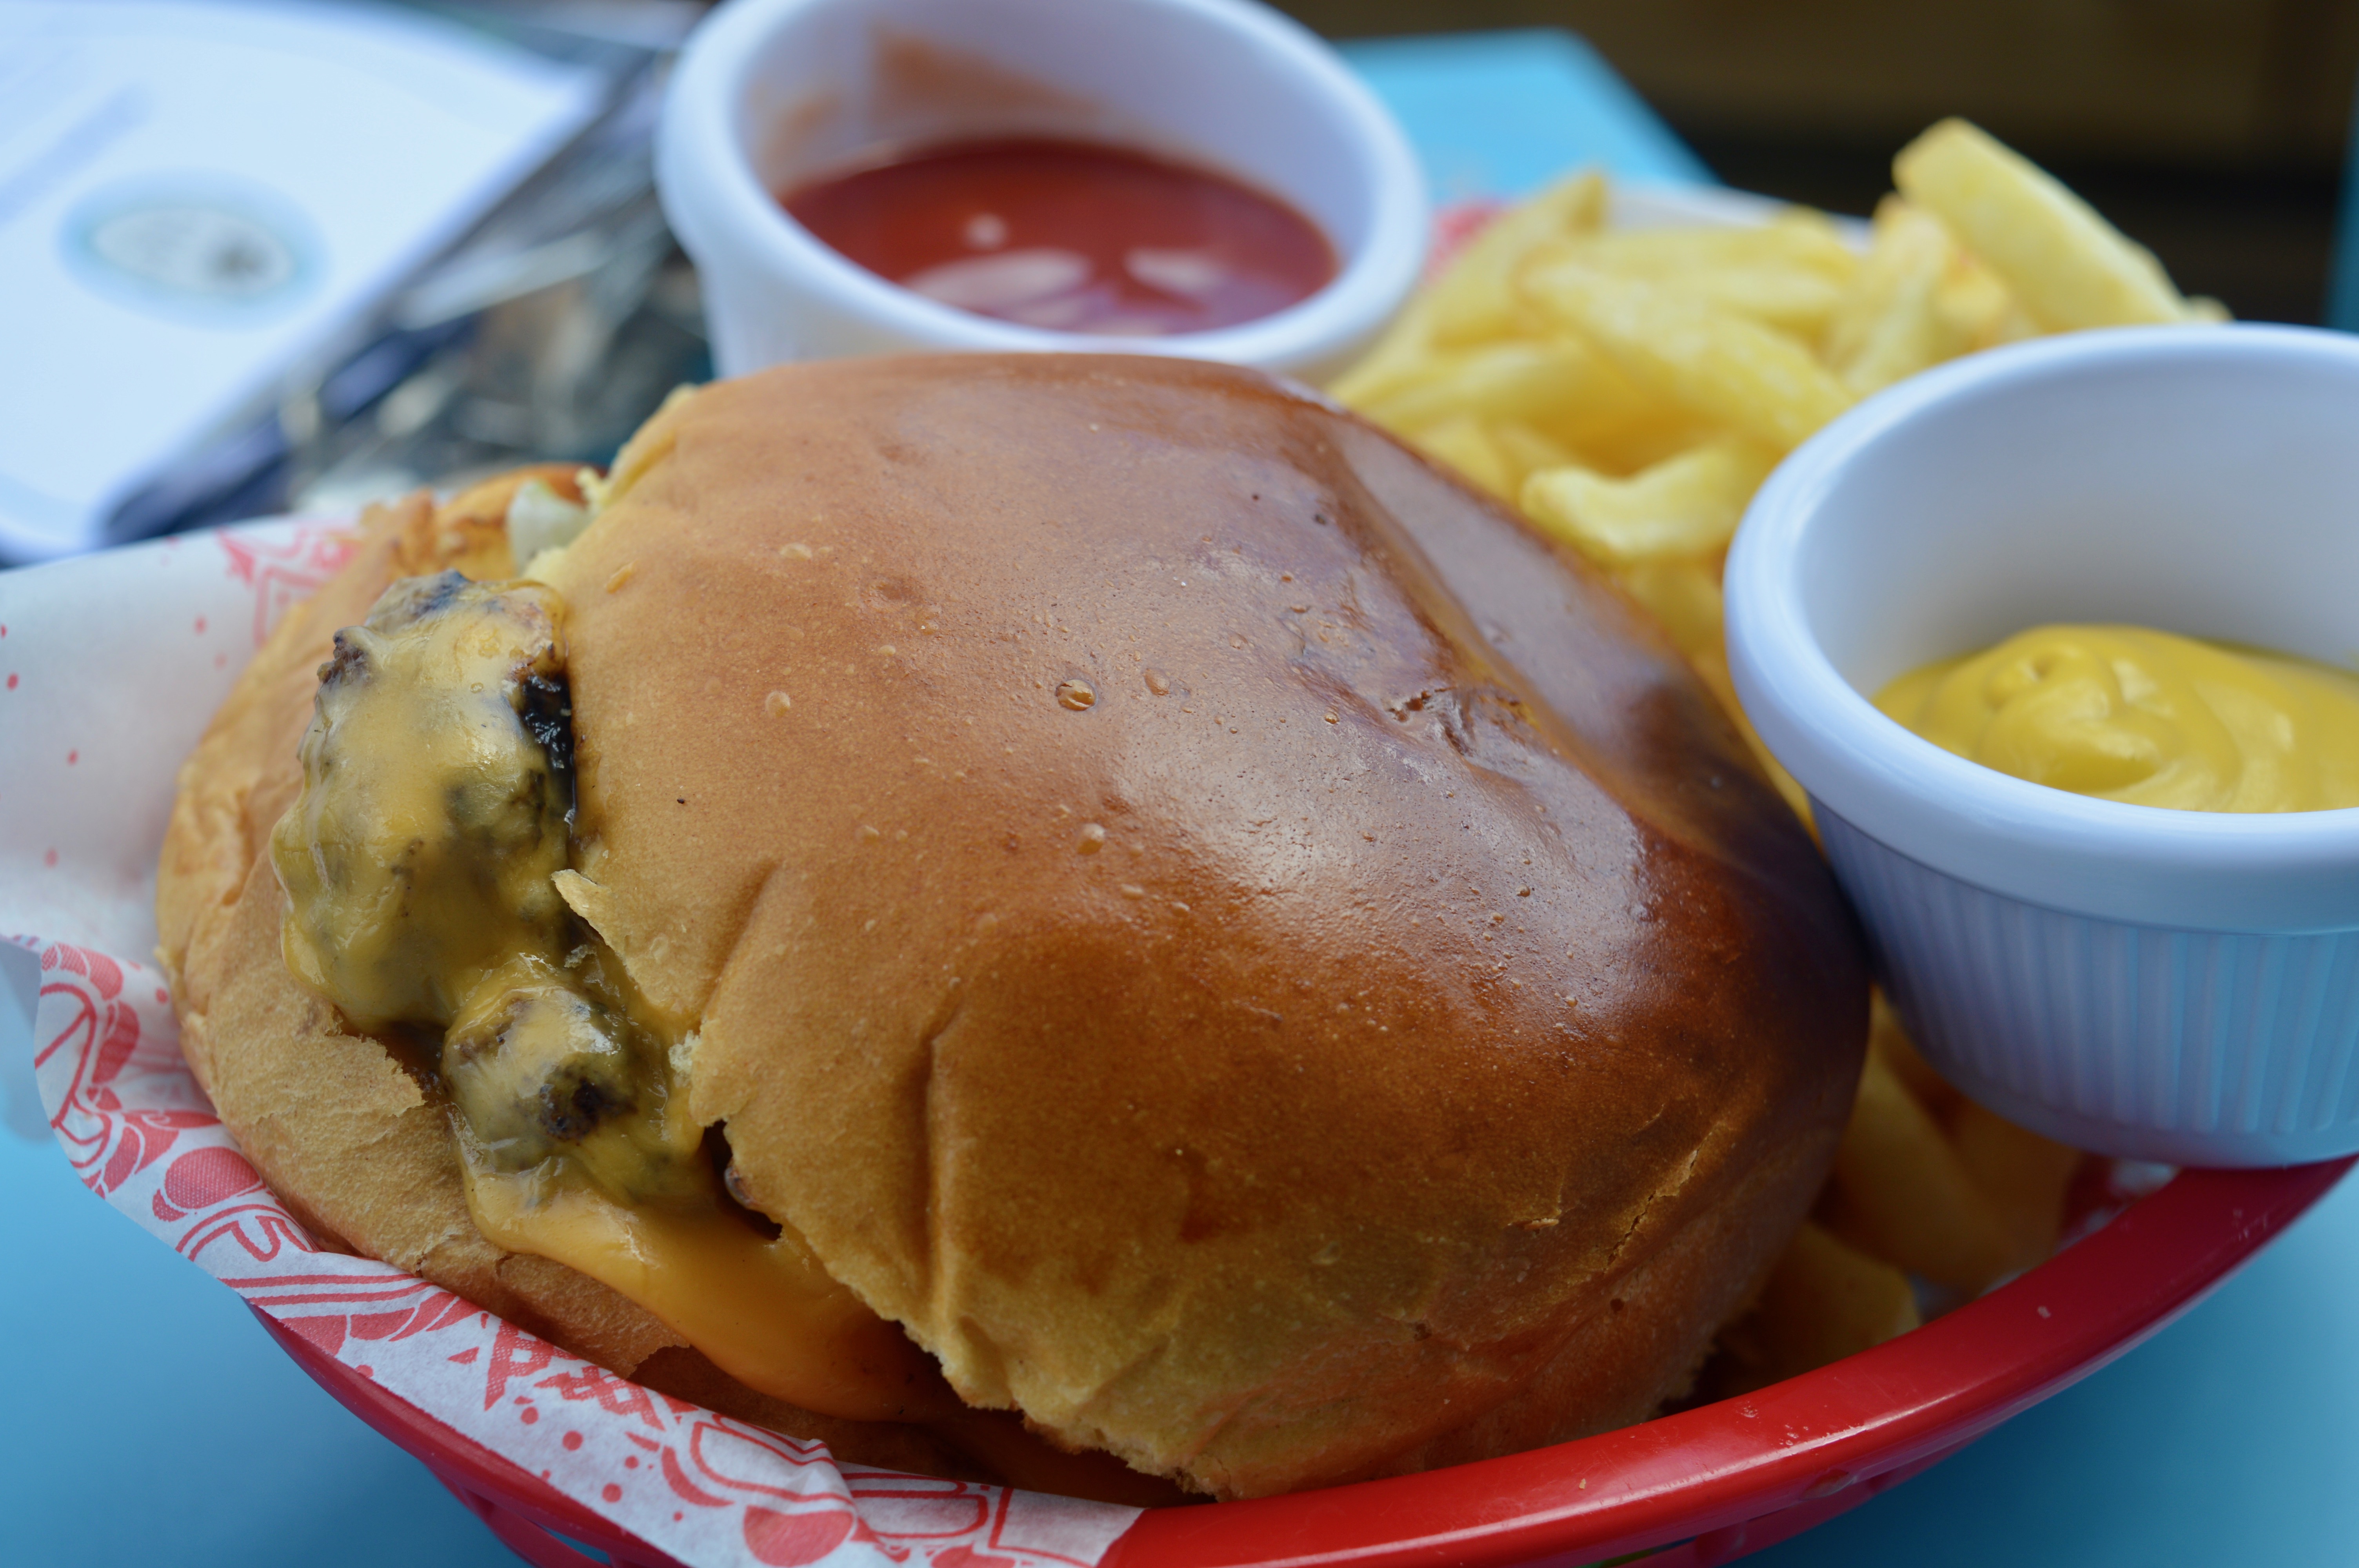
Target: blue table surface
152,1421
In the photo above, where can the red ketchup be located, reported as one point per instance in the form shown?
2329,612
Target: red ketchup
1071,236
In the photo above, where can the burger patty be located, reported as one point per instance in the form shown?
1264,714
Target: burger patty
420,864
423,865
433,817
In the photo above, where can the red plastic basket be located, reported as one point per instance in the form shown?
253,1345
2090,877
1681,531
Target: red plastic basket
1708,1484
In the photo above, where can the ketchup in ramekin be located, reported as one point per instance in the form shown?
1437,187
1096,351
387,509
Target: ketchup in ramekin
1071,236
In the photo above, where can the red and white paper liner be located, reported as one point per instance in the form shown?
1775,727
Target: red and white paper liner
697,1485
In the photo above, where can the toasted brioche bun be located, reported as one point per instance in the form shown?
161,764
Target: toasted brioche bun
1252,959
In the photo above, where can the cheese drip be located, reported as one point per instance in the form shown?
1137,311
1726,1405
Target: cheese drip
436,804
577,1149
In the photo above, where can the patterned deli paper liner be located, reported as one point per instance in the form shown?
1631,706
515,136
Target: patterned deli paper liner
109,668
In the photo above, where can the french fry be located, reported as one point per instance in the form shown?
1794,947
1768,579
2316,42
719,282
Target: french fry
1642,441
1729,369
2070,268
1529,450
2022,1174
1795,238
1476,301
1825,1299
1686,505
1559,385
1792,299
1791,274
1888,1041
1901,1193
1979,308
1891,325
1461,442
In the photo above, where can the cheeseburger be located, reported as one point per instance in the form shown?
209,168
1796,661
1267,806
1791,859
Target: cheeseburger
1089,921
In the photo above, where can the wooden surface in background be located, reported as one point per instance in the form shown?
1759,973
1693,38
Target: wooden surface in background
2212,130
2216,83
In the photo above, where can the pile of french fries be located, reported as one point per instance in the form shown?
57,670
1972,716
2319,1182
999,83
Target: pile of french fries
1629,389
1933,1200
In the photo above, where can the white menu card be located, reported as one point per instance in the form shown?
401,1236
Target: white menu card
196,196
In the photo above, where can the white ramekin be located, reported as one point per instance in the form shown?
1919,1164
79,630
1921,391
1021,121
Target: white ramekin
2166,985
769,91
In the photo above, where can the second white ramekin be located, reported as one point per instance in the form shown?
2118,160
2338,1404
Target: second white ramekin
2164,985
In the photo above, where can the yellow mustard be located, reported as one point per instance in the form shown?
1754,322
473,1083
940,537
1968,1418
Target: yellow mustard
2124,713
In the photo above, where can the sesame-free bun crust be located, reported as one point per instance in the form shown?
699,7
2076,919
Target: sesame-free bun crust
1251,957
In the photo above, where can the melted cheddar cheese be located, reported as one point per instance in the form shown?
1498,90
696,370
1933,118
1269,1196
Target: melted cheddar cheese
418,863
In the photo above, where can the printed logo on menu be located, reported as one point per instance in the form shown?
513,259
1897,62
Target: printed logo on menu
197,247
